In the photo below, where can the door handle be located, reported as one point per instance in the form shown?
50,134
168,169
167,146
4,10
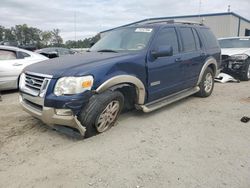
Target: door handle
17,64
178,59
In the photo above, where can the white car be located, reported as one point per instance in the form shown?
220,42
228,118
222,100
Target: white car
12,62
235,53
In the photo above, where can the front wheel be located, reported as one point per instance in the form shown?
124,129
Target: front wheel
245,75
102,112
207,83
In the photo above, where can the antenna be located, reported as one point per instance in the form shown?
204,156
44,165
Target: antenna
199,10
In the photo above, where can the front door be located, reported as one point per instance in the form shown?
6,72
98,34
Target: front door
165,74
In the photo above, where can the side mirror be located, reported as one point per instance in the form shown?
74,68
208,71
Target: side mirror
162,51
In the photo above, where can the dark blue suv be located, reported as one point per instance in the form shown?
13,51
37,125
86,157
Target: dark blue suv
145,66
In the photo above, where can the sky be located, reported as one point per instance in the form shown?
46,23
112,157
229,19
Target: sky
80,19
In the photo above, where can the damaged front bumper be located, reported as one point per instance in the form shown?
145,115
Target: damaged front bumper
233,67
50,116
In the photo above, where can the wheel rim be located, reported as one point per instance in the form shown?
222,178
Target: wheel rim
248,72
208,83
108,116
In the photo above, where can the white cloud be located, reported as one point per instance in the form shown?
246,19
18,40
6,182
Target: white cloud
96,15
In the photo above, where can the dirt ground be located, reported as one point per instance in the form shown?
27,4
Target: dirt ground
192,143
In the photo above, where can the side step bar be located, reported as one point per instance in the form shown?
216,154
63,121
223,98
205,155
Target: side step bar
168,100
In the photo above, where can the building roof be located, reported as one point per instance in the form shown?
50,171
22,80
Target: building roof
176,17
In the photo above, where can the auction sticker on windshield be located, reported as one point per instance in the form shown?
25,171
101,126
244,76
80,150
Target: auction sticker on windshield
144,30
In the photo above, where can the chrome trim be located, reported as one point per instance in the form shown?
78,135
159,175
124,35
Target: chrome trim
44,87
121,79
210,61
39,74
155,83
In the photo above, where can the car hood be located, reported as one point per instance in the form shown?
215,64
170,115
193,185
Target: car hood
73,65
235,51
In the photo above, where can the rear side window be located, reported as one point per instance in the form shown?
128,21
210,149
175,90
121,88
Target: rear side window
188,40
167,36
197,39
7,55
210,38
22,55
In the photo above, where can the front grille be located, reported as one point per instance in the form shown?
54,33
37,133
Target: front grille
34,82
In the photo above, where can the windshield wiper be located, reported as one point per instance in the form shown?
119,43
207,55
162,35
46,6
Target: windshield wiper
107,50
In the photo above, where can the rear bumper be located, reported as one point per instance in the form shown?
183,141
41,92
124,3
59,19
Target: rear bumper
35,107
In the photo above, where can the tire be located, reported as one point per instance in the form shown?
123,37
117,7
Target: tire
104,107
245,74
207,83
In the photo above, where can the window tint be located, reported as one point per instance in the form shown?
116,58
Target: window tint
7,55
188,40
197,40
22,55
62,51
210,38
167,36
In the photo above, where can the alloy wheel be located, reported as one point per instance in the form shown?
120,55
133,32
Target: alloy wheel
208,82
108,116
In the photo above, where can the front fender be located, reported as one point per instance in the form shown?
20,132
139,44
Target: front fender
122,79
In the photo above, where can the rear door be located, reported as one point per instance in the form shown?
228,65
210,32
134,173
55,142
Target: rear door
164,73
11,65
192,55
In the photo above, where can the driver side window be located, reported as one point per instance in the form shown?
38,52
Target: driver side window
167,36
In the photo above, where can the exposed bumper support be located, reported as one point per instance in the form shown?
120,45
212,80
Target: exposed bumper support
48,115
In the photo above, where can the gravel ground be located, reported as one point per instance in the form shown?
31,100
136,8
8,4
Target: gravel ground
192,143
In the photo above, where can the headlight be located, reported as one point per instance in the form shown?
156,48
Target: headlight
73,85
239,57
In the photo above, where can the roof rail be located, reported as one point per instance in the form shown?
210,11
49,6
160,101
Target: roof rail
176,21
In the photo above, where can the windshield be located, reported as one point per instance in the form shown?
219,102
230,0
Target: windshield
126,39
235,43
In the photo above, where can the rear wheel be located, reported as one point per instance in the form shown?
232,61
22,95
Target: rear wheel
207,83
102,112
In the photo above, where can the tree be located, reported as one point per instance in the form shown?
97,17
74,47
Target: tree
9,35
56,38
26,36
46,37
2,33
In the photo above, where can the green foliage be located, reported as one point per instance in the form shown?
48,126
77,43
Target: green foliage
23,35
85,43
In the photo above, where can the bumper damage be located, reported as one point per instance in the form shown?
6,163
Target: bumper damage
50,116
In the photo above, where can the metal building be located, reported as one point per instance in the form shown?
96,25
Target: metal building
228,24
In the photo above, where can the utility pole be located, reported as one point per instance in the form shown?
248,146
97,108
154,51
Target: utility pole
229,8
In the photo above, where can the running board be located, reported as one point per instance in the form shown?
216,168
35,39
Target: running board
168,100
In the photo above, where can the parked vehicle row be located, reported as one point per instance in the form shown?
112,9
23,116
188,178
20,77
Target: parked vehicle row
147,67
54,52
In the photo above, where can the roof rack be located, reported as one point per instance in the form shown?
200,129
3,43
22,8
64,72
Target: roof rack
176,21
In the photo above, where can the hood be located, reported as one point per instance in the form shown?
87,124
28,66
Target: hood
235,51
73,64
